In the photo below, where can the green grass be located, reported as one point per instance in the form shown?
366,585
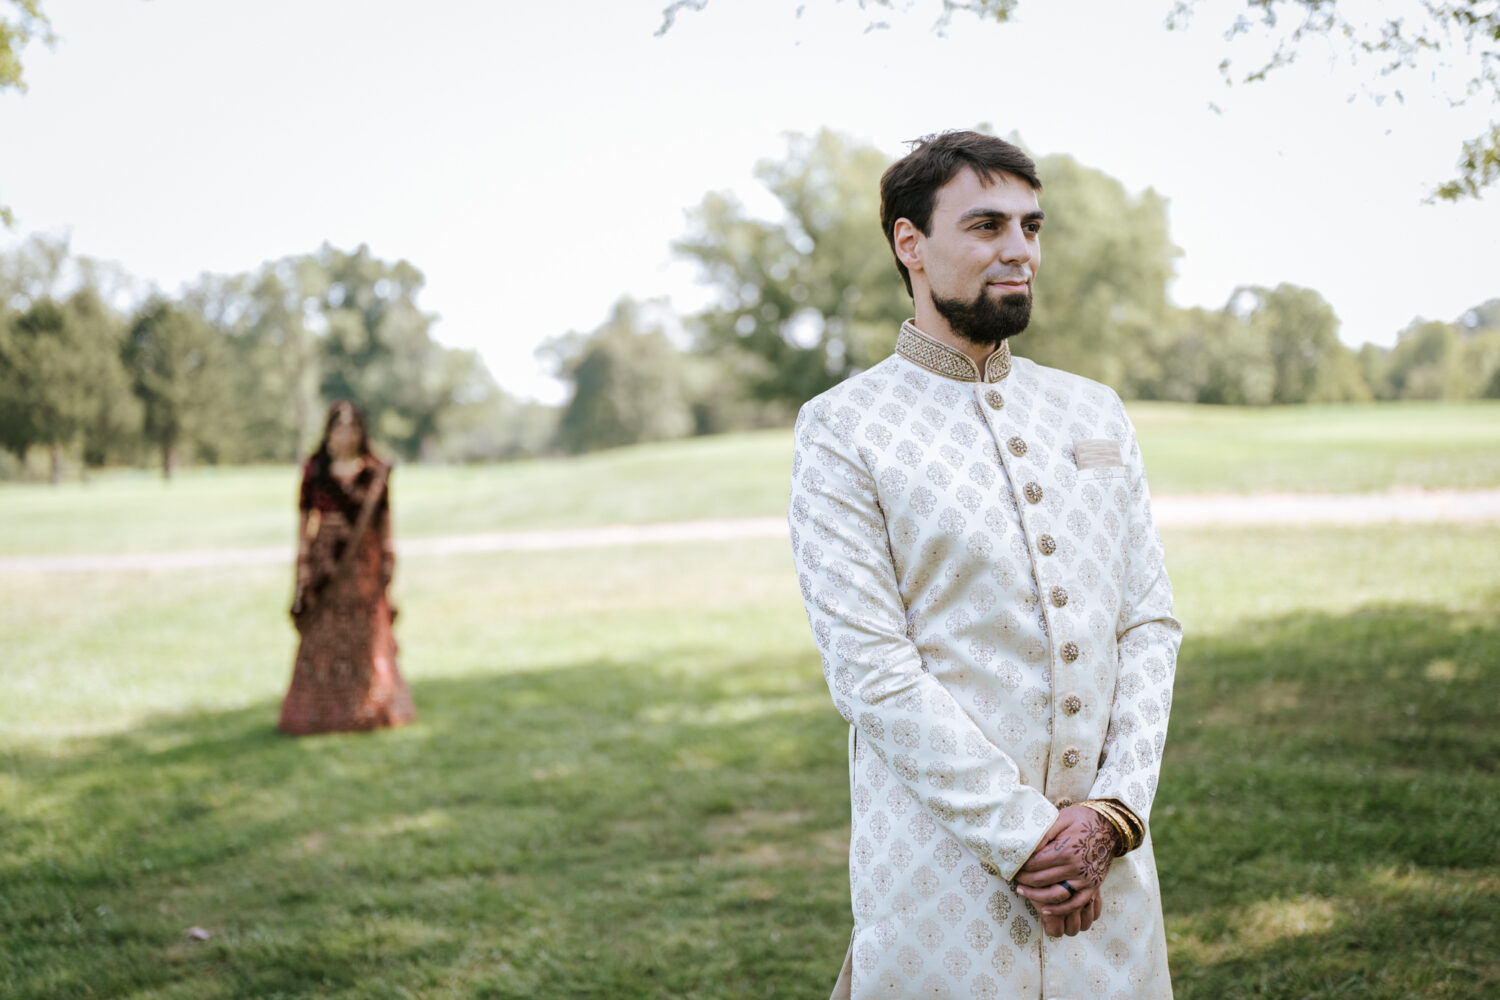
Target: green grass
742,475
1328,448
1189,449
627,781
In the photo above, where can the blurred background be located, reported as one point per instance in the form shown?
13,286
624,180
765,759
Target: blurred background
490,223
582,262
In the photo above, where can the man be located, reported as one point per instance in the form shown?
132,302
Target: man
975,547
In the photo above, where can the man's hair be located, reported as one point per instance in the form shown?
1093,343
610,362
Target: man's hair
909,187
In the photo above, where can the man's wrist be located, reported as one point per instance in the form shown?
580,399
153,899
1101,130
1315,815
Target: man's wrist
1128,829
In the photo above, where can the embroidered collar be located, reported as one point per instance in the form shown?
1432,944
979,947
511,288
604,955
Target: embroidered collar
940,359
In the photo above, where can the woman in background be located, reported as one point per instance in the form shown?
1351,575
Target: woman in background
345,677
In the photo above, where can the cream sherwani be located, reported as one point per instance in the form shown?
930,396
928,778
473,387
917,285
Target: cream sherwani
995,624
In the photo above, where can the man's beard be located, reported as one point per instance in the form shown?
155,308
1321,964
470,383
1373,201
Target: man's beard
986,321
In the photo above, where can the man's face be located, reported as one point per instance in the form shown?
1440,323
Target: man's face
982,255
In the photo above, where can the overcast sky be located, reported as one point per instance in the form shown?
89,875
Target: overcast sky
535,159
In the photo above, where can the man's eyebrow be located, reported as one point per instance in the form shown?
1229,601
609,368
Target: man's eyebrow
999,216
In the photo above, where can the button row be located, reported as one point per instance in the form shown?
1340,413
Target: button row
1072,704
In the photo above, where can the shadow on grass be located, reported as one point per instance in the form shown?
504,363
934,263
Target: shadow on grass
1325,825
609,830
675,825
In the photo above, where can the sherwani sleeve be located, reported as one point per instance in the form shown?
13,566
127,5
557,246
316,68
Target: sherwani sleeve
1147,639
874,671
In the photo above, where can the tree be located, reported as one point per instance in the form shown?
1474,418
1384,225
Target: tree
1375,366
486,423
33,271
1437,360
627,383
1309,363
1482,318
304,330
1101,295
172,358
377,349
112,415
1224,357
16,30
263,319
1423,44
1427,362
999,10
1481,329
1277,345
61,384
809,299
37,408
1482,364
806,300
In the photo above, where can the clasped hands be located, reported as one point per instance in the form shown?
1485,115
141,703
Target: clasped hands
1063,876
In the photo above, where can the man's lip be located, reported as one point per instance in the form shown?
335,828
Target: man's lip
1017,285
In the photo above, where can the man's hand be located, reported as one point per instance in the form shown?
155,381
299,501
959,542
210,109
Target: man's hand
1062,877
1079,920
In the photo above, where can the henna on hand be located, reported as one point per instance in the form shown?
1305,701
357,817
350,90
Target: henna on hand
1097,848
1057,846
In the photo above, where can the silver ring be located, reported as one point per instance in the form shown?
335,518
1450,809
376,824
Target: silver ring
1071,891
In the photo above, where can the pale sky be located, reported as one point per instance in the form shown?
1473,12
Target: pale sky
535,160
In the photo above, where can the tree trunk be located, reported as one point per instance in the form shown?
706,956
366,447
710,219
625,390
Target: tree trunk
168,461
55,455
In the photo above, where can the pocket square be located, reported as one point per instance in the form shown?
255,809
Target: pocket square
1097,453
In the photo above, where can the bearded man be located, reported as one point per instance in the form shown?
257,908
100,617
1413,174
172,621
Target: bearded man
975,547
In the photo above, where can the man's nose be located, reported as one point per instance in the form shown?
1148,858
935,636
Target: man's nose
1014,247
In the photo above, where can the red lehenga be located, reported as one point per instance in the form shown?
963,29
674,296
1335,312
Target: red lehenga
345,677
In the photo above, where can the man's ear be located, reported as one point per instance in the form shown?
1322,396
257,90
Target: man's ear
907,241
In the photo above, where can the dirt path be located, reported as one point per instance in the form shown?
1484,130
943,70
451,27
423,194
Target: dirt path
1394,507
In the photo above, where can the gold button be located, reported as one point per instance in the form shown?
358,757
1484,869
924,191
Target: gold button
1070,651
1064,803
1046,544
990,867
1034,492
994,398
1072,704
1059,596
1017,446
1071,757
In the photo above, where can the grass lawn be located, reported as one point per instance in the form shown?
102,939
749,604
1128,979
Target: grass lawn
627,780
1322,449
1189,449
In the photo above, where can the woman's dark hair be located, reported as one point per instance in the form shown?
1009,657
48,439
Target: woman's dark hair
320,454
909,187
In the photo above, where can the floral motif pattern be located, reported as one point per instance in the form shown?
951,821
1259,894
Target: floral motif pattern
932,597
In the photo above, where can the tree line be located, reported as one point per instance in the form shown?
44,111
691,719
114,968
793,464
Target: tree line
236,368
806,300
240,368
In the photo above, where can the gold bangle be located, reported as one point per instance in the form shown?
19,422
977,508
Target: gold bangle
1123,819
1102,810
1137,828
